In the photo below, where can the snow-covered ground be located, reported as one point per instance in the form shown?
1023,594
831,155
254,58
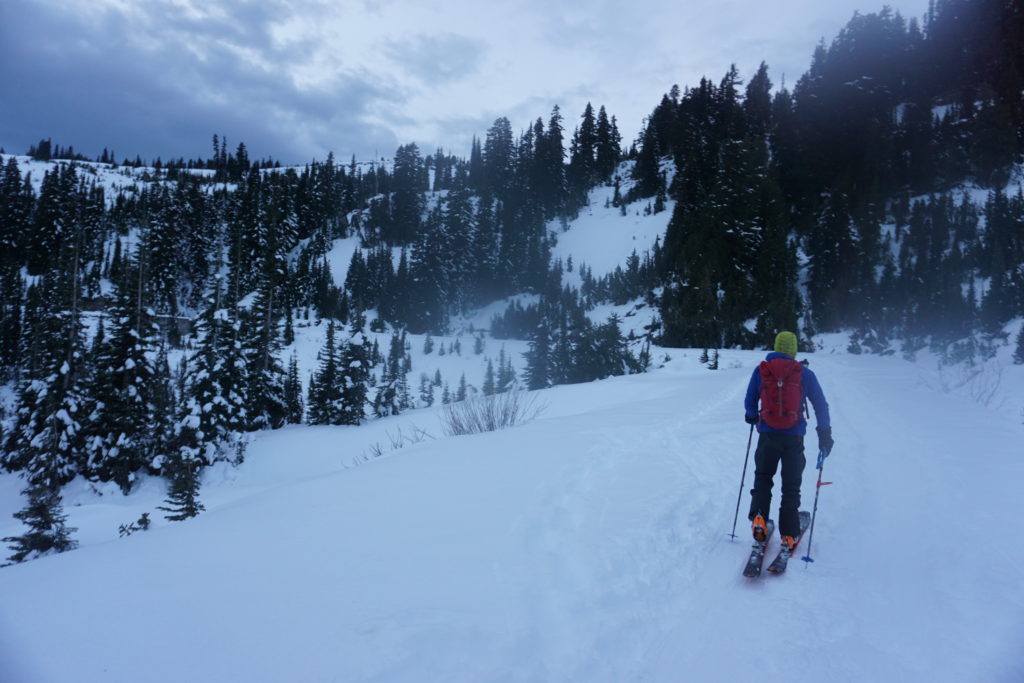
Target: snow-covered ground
587,545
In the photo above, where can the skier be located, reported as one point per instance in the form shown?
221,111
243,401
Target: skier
783,386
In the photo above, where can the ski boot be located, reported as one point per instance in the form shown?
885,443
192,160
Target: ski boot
760,528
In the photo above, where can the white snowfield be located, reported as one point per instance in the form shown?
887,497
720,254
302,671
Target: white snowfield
588,545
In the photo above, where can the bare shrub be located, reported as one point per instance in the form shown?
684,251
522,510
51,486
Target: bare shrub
490,413
981,382
398,439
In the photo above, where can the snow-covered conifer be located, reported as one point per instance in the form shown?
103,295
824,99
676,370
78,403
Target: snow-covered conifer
325,391
293,392
213,411
426,390
489,387
45,518
46,440
538,359
183,489
506,376
356,367
121,439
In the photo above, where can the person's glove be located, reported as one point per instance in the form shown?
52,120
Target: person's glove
825,444
750,420
821,458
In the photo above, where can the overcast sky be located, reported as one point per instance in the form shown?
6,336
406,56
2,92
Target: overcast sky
295,79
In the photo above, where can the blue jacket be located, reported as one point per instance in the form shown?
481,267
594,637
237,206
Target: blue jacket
812,392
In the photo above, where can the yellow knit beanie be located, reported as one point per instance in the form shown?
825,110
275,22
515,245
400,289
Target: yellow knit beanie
785,342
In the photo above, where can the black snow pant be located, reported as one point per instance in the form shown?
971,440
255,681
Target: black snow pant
773,448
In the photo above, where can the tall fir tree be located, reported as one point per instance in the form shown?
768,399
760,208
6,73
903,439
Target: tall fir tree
214,406
121,440
392,396
46,440
293,393
326,402
538,359
356,366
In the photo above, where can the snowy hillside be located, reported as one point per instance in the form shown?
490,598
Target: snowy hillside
588,545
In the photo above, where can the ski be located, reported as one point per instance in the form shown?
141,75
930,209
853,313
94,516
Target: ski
778,565
753,568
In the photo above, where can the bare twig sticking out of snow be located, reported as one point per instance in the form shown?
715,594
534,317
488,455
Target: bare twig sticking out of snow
397,439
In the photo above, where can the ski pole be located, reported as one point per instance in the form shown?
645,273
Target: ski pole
742,480
817,490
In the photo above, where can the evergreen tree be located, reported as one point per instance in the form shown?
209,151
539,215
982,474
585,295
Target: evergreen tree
485,250
44,515
392,390
430,279
612,352
407,202
355,371
15,211
54,224
506,376
293,393
183,490
550,164
47,436
498,159
1018,353
608,147
326,402
121,439
213,411
458,219
476,165
647,169
582,162
426,391
538,359
265,377
489,385
164,403
11,322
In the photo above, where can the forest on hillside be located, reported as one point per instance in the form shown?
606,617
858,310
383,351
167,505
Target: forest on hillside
877,196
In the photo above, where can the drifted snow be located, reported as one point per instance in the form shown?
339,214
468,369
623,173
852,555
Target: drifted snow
588,545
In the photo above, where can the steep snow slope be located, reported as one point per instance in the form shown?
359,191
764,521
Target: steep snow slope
587,545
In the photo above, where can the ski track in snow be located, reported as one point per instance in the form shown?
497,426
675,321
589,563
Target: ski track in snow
588,545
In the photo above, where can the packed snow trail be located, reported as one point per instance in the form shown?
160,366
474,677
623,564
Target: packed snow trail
591,544
914,545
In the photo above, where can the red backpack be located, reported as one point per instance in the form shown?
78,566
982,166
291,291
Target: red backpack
781,392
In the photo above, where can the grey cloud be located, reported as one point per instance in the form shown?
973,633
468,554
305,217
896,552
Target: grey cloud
438,59
93,87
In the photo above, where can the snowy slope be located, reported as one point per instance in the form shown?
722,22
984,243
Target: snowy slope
112,178
602,238
587,545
